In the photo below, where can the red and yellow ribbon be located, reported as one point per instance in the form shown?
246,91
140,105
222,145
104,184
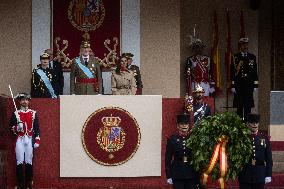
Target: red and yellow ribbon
219,151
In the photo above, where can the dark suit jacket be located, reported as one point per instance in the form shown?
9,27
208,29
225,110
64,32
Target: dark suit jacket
59,78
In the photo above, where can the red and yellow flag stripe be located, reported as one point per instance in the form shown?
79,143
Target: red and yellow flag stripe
219,151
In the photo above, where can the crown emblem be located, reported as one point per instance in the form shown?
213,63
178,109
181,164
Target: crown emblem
111,121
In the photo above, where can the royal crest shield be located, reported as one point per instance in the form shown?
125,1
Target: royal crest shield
86,15
111,136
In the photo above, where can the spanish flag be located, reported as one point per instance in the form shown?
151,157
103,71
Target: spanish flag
215,55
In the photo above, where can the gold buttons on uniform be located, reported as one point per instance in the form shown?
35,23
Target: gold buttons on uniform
184,159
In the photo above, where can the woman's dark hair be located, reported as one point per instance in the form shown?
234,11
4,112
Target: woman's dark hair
118,66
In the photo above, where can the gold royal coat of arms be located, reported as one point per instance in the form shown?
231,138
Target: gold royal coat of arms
86,15
111,136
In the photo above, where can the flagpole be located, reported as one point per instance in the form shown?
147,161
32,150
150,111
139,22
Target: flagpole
228,57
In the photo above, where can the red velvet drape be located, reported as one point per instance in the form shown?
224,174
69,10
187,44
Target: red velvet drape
109,28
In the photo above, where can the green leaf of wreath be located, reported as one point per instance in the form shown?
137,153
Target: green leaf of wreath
204,138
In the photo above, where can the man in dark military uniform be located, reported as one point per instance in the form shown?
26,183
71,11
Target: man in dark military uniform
200,108
198,68
135,70
56,66
86,76
25,125
179,171
43,80
244,79
259,170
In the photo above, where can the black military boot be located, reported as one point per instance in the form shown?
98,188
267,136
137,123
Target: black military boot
29,176
20,176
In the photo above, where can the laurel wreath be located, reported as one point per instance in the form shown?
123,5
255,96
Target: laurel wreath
204,138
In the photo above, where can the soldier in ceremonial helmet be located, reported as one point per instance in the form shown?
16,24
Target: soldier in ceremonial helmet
200,108
25,126
258,171
198,68
244,79
179,171
85,76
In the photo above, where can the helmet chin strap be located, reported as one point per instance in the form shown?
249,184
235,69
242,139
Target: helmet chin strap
183,133
253,131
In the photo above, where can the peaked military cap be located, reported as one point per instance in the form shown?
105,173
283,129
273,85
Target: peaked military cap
244,40
253,118
183,118
127,55
44,56
23,96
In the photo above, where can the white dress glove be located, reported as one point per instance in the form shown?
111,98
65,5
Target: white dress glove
233,90
211,90
20,126
267,180
36,145
170,181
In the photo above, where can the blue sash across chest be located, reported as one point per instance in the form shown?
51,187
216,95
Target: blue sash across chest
47,83
85,69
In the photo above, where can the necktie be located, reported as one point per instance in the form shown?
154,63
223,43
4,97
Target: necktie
86,61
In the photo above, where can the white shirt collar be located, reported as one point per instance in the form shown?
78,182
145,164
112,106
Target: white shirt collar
22,108
88,57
